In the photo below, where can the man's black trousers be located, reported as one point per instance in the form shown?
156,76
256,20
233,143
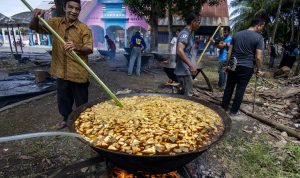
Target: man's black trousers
239,79
67,93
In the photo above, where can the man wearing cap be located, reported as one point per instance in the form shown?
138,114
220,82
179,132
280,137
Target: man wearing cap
138,45
72,78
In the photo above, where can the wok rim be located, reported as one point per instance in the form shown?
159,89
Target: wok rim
223,115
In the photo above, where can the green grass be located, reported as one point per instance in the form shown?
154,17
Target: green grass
211,73
260,159
292,163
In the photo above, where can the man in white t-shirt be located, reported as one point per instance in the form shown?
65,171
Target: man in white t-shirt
172,51
173,43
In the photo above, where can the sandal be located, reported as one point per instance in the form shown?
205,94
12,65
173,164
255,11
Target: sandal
61,125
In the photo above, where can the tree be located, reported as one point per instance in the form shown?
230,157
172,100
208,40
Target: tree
293,20
170,19
59,4
184,7
276,21
151,10
244,11
280,13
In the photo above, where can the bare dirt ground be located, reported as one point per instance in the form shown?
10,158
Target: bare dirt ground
42,157
36,157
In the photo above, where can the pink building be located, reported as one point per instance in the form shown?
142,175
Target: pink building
112,18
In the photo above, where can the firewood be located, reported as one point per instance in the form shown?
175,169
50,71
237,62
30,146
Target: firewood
288,130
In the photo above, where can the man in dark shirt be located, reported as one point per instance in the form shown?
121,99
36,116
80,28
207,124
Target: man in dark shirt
246,47
186,64
138,46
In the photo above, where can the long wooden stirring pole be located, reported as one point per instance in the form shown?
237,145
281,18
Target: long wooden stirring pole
78,59
254,94
207,44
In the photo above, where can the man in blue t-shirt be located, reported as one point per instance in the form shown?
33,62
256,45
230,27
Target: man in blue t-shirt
138,46
223,46
245,52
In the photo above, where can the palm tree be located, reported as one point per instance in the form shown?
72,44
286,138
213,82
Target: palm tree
281,15
244,10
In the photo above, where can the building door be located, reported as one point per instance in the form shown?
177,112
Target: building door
117,34
98,34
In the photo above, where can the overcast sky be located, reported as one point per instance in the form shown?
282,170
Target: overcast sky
12,7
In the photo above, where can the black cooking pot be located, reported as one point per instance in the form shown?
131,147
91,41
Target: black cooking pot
169,67
171,75
154,163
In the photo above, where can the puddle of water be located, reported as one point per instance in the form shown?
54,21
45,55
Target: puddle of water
19,87
3,75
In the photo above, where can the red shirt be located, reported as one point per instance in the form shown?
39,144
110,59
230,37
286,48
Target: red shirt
111,44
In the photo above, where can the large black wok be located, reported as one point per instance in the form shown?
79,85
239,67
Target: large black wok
171,75
153,164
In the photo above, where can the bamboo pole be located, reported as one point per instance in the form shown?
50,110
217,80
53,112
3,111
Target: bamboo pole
78,59
207,44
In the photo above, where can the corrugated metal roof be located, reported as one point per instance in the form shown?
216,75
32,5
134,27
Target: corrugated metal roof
3,19
22,18
215,11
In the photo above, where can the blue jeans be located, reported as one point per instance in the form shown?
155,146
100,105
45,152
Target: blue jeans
239,79
109,54
222,74
136,53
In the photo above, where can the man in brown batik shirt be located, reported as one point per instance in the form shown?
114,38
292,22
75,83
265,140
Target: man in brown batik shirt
72,78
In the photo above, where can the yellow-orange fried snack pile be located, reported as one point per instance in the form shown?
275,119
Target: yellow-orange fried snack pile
150,125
